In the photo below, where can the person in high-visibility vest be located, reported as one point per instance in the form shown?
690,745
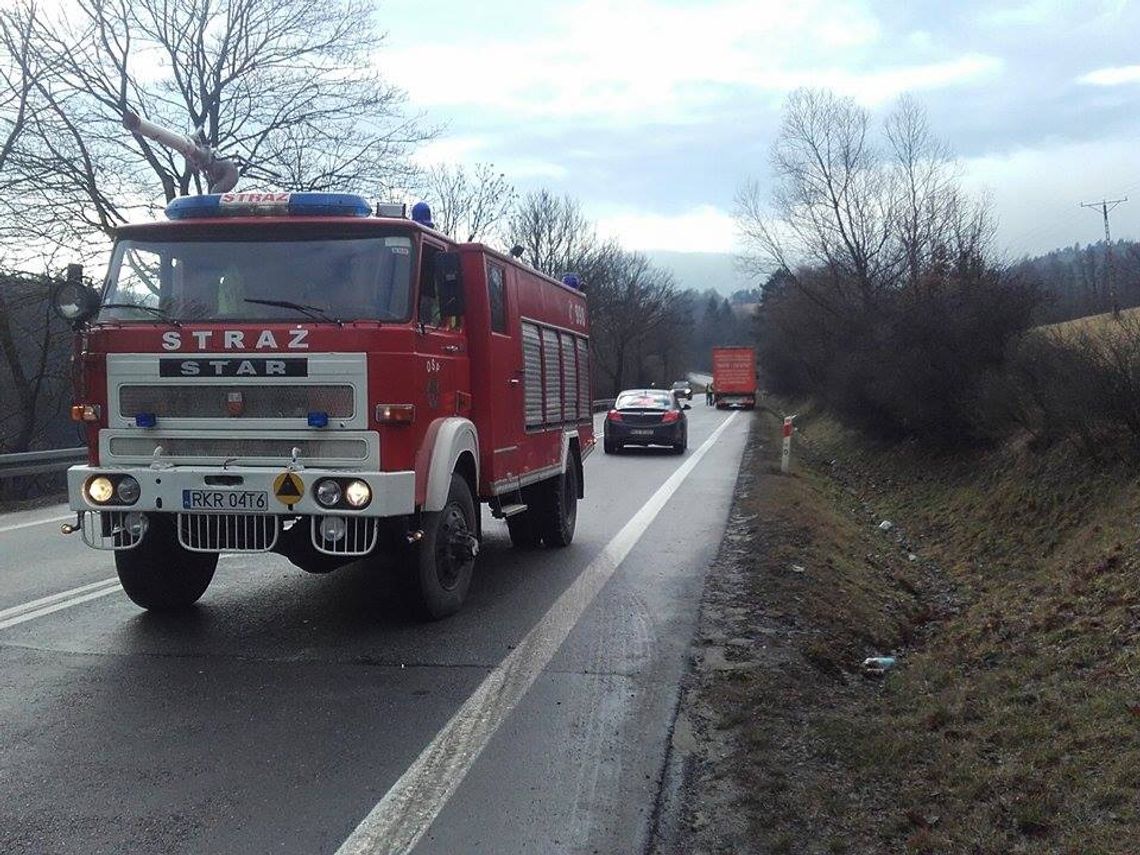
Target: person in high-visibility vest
709,392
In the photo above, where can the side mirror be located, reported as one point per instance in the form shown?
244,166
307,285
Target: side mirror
72,300
449,284
686,406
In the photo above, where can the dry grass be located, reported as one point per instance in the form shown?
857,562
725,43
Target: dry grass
1013,721
1093,324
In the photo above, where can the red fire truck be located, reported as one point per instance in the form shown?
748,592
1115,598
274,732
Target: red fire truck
298,373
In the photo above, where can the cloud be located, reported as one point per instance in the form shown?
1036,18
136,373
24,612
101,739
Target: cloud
700,229
1037,192
1113,76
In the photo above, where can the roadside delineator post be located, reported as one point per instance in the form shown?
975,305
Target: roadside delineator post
786,451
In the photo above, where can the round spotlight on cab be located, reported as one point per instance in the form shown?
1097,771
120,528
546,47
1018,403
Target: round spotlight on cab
127,491
357,494
100,490
333,528
328,492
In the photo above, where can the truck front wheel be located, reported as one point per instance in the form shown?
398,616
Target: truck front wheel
445,556
159,574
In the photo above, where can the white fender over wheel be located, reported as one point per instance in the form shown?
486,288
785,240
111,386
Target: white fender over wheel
452,437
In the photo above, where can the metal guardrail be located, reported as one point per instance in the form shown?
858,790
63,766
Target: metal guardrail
39,462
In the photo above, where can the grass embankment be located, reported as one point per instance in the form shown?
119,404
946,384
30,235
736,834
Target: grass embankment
1012,721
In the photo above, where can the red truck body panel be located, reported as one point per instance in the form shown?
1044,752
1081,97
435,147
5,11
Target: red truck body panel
734,370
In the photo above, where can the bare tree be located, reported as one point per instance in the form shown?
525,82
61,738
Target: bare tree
631,301
871,216
552,231
286,87
469,205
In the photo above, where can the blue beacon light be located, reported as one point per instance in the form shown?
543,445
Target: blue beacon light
421,213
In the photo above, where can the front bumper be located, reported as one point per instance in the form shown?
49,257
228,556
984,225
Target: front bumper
162,490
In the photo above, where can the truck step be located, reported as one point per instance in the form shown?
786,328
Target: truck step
511,510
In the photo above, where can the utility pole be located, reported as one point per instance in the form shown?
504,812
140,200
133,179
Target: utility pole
1105,206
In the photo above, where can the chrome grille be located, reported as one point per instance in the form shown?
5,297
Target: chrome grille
212,401
227,532
227,447
359,537
108,530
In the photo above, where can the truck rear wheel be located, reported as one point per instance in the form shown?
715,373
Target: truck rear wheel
159,574
524,534
559,513
444,559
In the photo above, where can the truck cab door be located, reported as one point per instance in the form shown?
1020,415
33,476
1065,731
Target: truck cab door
441,342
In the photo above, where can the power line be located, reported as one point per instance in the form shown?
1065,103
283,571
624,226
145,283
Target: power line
1105,206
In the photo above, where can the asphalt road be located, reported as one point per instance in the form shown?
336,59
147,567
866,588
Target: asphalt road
308,714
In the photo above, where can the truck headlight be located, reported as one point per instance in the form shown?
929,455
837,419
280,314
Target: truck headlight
100,489
127,491
328,492
357,494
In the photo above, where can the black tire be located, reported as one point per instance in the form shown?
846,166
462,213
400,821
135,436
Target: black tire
159,574
558,514
609,446
444,559
521,527
679,448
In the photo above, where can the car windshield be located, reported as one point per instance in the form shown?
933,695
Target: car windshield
648,399
358,278
680,384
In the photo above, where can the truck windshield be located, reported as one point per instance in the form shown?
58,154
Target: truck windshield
357,278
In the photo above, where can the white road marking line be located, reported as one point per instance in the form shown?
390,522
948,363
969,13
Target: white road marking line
15,526
66,604
409,808
55,598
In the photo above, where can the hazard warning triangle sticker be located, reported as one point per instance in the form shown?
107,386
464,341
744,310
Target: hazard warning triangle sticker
287,488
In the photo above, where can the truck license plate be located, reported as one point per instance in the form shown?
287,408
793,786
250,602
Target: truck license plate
225,500
642,431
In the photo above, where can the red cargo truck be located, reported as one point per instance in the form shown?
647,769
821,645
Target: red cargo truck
734,377
299,374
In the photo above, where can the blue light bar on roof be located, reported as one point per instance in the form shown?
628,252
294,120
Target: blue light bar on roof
213,205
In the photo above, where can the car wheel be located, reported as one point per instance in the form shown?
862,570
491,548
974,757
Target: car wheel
609,447
159,574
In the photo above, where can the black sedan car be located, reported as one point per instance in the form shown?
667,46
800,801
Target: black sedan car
646,417
683,389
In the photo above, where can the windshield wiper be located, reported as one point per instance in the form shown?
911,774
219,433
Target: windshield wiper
154,310
314,312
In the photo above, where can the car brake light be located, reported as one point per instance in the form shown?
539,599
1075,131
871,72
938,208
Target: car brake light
670,417
613,416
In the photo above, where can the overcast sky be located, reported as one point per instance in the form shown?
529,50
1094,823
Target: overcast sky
652,113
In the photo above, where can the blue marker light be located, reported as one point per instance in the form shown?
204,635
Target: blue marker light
318,419
421,213
571,280
145,420
213,205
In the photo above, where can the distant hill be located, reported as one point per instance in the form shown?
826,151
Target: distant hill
701,270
